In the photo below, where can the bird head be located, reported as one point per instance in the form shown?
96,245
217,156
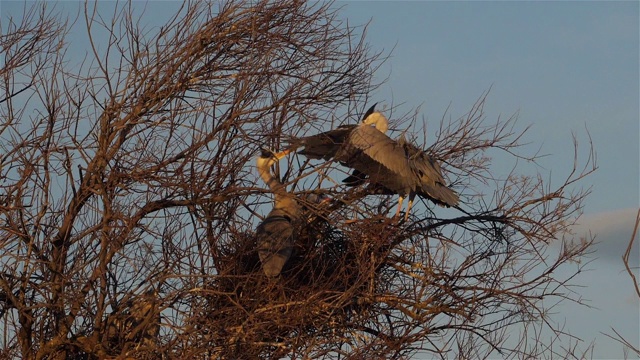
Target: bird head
371,110
317,199
373,117
270,154
269,157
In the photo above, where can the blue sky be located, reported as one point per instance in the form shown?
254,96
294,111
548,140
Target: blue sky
564,67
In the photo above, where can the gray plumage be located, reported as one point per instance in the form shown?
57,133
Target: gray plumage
398,166
426,169
325,145
275,235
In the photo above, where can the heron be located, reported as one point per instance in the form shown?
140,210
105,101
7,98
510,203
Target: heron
275,234
138,320
397,165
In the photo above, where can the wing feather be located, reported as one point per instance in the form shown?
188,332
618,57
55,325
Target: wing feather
323,145
428,173
381,158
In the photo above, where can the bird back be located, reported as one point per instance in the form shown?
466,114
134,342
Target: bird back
275,241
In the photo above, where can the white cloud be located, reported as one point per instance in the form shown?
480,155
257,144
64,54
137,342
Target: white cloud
613,231
607,288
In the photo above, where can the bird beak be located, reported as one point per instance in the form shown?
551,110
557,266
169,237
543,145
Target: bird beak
267,153
282,154
326,200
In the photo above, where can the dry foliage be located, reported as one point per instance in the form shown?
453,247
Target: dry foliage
128,201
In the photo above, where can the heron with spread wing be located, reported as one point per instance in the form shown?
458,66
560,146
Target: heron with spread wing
399,166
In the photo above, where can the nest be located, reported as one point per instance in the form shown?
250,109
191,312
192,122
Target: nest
327,284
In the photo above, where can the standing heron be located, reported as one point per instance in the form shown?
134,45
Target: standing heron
275,234
399,166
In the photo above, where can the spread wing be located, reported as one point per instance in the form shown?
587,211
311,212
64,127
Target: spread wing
323,145
373,153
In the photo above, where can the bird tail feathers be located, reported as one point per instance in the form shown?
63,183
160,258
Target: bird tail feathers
442,195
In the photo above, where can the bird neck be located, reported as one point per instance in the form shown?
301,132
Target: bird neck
264,169
284,201
382,126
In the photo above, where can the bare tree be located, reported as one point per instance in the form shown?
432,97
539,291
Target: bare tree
129,201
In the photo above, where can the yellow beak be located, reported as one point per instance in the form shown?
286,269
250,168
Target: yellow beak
282,154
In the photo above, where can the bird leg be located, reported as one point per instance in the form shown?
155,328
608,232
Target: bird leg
411,197
400,198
